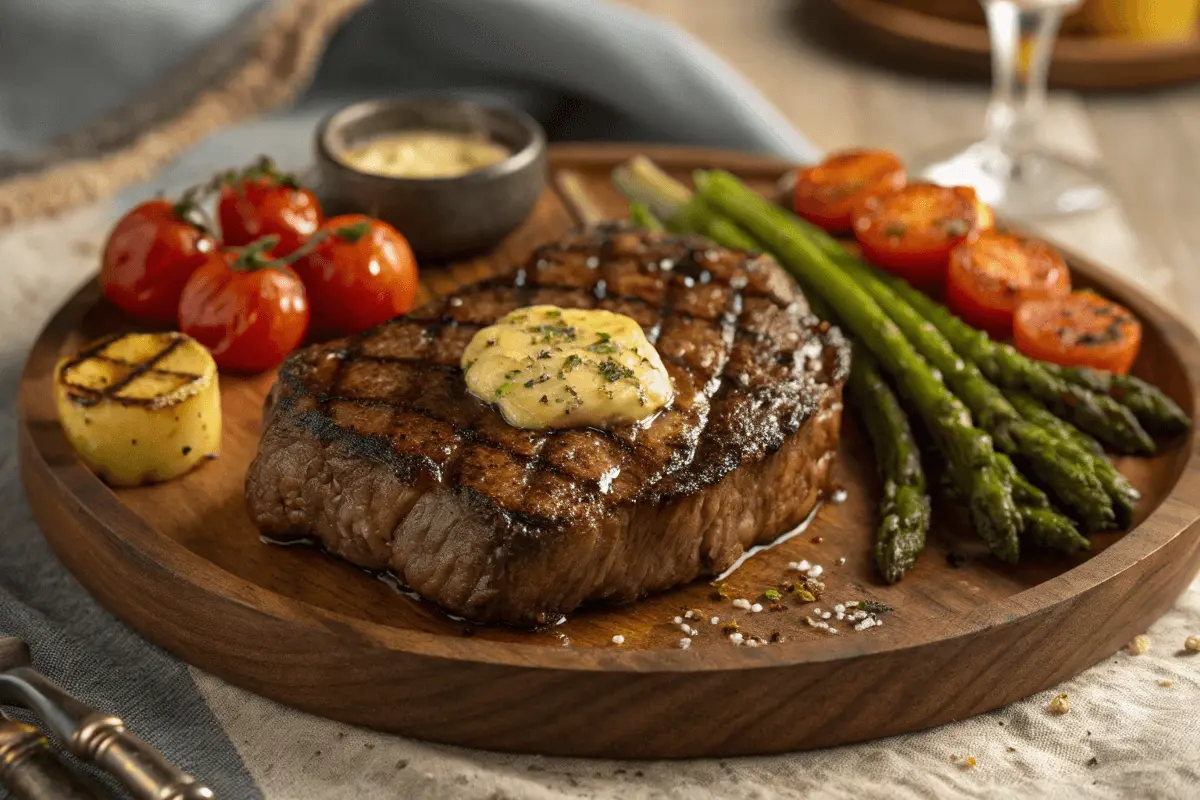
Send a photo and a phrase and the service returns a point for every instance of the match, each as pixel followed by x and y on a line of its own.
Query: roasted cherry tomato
pixel 149 256
pixel 261 201
pixel 248 309
pixel 911 232
pixel 360 274
pixel 827 194
pixel 992 275
pixel 1081 329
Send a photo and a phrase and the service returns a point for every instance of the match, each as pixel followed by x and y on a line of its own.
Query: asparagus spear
pixel 1076 396
pixel 1053 461
pixel 981 479
pixel 1122 492
pixel 643 217
pixel 905 507
pixel 1157 412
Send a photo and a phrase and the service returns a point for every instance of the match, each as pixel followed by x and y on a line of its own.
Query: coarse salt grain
pixel 742 603
pixel 826 615
pixel 690 615
pixel 757 607
pixel 618 639
pixel 841 562
pixel 816 571
pixel 803 566
pixel 839 609
pixel 715 621
pixel 736 638
pixel 678 620
pixel 685 643
pixel 752 642
pixel 816 611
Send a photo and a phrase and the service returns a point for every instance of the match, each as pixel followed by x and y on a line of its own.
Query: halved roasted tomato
pixel 910 232
pixel 992 275
pixel 1082 329
pixel 826 194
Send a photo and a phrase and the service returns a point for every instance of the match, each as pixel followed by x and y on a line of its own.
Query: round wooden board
pixel 955 47
pixel 182 564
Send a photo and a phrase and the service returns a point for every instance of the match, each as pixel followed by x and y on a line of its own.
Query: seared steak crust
pixel 373 445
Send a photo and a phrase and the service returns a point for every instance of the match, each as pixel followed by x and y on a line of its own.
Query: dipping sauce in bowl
pixel 425 154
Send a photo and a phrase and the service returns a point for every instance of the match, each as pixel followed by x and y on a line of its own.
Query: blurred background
pixel 86 79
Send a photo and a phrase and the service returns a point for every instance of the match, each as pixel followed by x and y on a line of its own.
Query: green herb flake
pixel 504 388
pixel 556 314
pixel 613 371
pixel 512 373
pixel 873 607
pixel 529 383
pixel 552 333
pixel 572 362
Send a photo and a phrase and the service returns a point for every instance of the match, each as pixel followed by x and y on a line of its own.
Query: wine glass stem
pixel 1022 38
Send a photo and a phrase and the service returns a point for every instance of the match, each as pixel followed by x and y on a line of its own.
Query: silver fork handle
pixel 100 739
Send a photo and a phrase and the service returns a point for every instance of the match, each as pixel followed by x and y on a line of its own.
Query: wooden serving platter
pixel 957 47
pixel 182 564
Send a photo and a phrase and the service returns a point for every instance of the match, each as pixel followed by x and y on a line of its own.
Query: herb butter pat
pixel 551 367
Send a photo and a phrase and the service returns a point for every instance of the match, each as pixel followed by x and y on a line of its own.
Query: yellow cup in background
pixel 1142 20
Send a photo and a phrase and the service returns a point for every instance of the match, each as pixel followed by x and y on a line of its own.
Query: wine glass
pixel 1009 168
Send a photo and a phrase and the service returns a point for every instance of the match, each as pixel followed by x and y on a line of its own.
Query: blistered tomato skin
pixel 249 319
pixel 360 274
pixel 148 258
pixel 1082 329
pixel 827 194
pixel 990 277
pixel 911 232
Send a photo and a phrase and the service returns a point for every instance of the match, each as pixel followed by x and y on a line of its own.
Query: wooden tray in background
pixel 182 564
pixel 906 36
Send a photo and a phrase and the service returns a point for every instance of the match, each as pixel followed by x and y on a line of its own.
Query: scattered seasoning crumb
pixel 953 757
pixel 1093 762
pixel 773 595
pixel 818 539
pixel 1059 705
pixel 756 608
pixel 618 639
pixel 1012 749
pixel 685 643
pixel 1166 683
pixel 715 621
pixel 736 638
pixel 777 637
pixel 968 762
pixel 1139 646
pixel 730 627
pixel 742 603
pixel 777 607
pixel 1192 644
pixel 721 592
pixel 841 561
pixel 566 642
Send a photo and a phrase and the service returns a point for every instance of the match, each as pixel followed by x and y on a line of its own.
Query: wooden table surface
pixel 1147 144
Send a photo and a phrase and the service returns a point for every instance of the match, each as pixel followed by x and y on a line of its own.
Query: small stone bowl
pixel 442 218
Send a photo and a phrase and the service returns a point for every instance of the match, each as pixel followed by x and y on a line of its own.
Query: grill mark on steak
pixel 388 408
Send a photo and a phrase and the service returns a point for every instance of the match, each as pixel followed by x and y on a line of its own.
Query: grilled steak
pixel 374 447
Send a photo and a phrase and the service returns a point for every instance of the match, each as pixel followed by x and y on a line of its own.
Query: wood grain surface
pixel 954 48
pixel 182 564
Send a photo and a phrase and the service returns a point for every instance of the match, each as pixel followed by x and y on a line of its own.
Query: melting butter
pixel 551 367
pixel 424 154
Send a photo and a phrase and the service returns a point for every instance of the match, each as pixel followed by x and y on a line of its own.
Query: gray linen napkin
pixel 587 70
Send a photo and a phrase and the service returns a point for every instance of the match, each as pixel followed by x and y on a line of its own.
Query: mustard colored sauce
pixel 551 367
pixel 424 154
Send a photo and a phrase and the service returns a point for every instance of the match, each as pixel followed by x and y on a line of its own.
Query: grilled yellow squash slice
pixel 140 407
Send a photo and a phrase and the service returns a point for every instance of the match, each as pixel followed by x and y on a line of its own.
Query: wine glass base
pixel 1036 184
